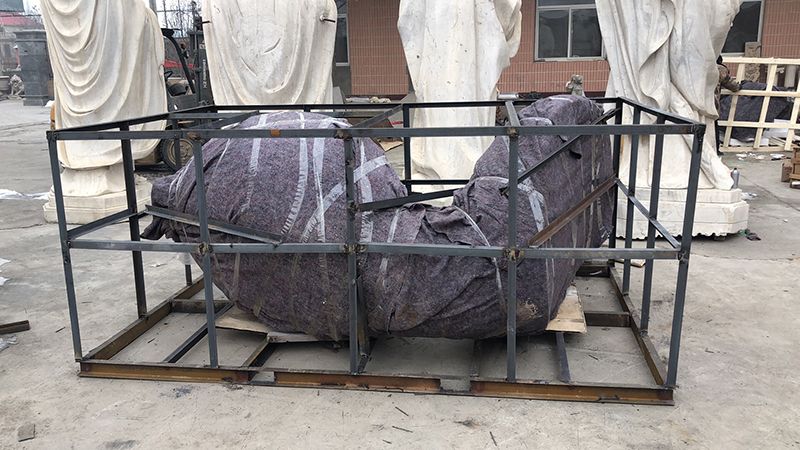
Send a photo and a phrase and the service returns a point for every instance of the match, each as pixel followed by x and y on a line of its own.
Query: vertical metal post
pixel 512 250
pixel 352 274
pixel 176 145
pixel 629 218
pixel 58 195
pixel 683 262
pixel 612 241
pixel 407 148
pixel 133 223
pixel 205 251
pixel 655 187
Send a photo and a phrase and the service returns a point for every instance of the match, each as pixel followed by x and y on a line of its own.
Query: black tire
pixel 168 155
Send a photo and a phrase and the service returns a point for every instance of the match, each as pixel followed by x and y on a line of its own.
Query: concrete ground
pixel 740 358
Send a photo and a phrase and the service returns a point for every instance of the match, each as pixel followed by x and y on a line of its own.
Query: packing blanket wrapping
pixel 295 188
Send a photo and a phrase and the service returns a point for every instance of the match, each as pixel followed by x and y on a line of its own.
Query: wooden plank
pixel 237 319
pixel 762 119
pixel 726 141
pixel 761 61
pixel 570 317
pixel 749 149
pixel 742 123
pixel 753 93
pixel 793 120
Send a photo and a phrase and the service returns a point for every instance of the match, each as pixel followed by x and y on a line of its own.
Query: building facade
pixel 559 38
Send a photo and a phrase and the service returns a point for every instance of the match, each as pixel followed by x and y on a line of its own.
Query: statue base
pixel 718 212
pixel 85 209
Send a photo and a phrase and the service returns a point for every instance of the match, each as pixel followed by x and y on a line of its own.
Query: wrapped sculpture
pixel 295 188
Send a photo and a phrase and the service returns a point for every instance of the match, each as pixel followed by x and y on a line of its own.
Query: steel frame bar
pixel 215 225
pixel 133 223
pixel 209 133
pixel 629 219
pixel 205 251
pixel 211 120
pixel 651 219
pixel 512 248
pixel 15 327
pixel 652 226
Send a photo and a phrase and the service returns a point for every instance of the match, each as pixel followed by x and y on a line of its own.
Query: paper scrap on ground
pixel 3 279
pixel 8 194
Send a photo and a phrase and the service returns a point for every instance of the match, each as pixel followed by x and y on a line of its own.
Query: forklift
pixel 189 89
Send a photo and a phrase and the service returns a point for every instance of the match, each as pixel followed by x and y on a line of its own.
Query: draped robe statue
pixel 663 54
pixel 270 51
pixel 107 65
pixel 456 50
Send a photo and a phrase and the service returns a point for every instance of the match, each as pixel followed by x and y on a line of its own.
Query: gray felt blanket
pixel 295 188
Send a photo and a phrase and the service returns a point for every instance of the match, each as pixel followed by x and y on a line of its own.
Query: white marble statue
pixel 270 51
pixel 107 65
pixel 455 50
pixel 663 54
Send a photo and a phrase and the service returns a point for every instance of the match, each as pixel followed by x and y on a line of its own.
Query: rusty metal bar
pixel 564 219
pixel 116 343
pixel 15 327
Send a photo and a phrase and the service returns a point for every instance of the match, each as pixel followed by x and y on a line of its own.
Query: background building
pixel 559 38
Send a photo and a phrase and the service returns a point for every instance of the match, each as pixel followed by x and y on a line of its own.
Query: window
pixel 341 50
pixel 746 27
pixel 567 29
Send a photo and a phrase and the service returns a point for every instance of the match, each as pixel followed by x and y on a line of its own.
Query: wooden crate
pixel 772 70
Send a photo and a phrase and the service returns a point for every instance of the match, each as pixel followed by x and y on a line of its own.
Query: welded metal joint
pixel 353 248
pixel 193 136
pixel 514 254
pixel 512 132
pixel 343 133
pixel 204 248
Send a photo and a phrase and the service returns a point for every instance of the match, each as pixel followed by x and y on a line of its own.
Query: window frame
pixel 760 26
pixel 569 9
pixel 339 17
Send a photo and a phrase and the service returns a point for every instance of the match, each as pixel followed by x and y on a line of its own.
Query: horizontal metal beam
pixel 341 133
pixel 429 182
pixel 676 119
pixel 582 392
pixel 157 246
pixel 310 248
pixel 165 372
pixel 386 248
pixel 394 202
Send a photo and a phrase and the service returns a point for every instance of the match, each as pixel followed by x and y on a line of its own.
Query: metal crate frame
pixel 208 122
